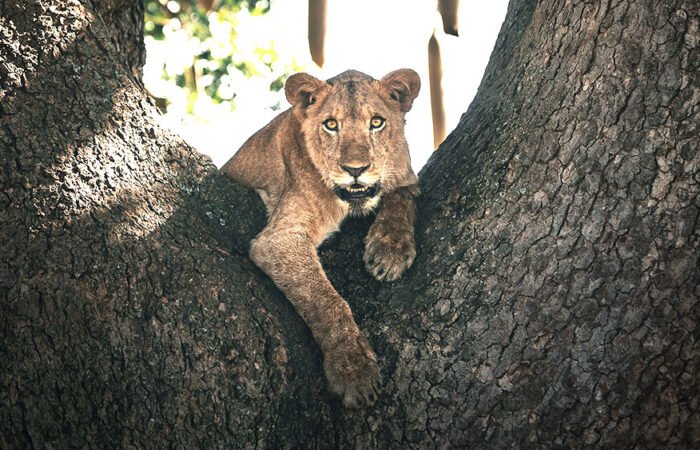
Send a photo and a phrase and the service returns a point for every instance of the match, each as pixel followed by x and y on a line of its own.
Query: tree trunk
pixel 554 299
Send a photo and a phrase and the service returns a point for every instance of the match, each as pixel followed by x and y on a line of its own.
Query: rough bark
pixel 554 299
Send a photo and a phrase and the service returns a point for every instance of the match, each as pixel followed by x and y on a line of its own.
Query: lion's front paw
pixel 353 373
pixel 389 254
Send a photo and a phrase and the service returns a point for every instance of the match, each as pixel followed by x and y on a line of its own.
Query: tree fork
pixel 553 301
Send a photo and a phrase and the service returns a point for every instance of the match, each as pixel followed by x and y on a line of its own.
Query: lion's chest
pixel 334 216
pixel 362 207
pixel 329 217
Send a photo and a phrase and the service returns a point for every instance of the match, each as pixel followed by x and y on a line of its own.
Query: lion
pixel 339 151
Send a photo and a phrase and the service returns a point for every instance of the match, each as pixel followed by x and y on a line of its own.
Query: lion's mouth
pixel 357 191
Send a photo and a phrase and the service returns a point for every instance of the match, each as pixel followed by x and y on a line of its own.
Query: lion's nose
pixel 355 171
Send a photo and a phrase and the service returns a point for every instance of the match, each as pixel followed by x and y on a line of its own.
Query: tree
pixel 201 60
pixel 554 300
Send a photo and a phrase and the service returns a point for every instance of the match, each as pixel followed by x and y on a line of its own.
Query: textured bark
pixel 554 299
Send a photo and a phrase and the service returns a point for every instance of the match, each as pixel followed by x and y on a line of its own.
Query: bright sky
pixel 371 36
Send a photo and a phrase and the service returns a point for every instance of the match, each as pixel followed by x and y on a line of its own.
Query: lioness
pixel 340 150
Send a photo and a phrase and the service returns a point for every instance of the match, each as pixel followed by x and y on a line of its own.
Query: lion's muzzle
pixel 357 191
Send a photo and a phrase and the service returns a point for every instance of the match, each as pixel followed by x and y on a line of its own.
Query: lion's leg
pixel 390 246
pixel 289 257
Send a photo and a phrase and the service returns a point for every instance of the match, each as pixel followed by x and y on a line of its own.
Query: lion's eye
pixel 377 123
pixel 331 125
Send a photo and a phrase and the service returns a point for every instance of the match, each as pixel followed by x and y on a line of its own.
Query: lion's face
pixel 353 127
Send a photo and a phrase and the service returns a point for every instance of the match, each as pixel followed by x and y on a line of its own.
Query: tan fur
pixel 296 165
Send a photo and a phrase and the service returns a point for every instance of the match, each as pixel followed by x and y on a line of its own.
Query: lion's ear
pixel 403 86
pixel 302 89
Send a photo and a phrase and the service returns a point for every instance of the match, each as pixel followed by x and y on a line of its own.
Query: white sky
pixel 371 36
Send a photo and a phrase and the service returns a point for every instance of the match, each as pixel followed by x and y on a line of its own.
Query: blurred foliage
pixel 199 52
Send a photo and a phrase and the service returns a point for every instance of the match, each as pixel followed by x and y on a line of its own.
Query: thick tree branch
pixel 553 301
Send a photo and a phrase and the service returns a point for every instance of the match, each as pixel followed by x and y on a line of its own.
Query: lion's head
pixel 353 129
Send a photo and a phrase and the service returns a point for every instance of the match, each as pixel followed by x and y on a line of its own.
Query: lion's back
pixel 259 163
